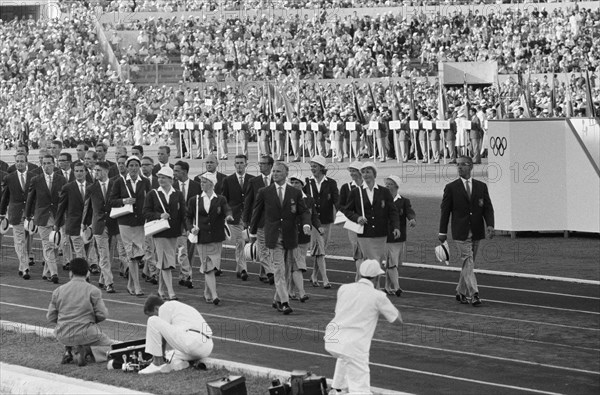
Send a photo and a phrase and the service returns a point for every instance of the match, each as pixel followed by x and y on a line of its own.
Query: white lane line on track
pixel 416 325
pixel 329 356
pixel 403 344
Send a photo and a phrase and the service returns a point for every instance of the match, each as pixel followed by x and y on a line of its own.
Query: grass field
pixel 44 353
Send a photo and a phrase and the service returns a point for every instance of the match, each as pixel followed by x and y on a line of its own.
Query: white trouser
pixel 188 345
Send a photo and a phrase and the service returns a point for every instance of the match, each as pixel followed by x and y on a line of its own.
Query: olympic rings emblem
pixel 498 145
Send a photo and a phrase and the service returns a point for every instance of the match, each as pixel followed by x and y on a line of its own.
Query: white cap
pixel 370 268
pixel 296 176
pixel 319 160
pixel 165 171
pixel 212 177
pixel 355 165
pixel 133 158
pixel 396 180
pixel 442 252
pixel 369 164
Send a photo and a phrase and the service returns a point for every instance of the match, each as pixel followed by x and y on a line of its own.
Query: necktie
pixel 266 180
pixel 104 190
pixel 242 181
pixel 82 190
pixel 50 183
pixel 280 195
pixel 23 181
pixel 183 190
pixel 468 189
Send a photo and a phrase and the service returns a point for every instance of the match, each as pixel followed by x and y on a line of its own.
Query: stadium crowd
pixel 267 46
pixel 54 84
pixel 230 5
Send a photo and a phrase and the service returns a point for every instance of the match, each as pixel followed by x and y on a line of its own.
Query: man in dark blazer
pixel 3 166
pixel 212 163
pixel 69 214
pixel 282 207
pixel 42 205
pixel 65 166
pixel 186 250
pixel 265 166
pixel 164 152
pixel 147 166
pixel 14 197
pixel 468 202
pixel 132 190
pixel 234 190
pixel 324 191
pixel 24 150
pixel 96 212
pixel 101 151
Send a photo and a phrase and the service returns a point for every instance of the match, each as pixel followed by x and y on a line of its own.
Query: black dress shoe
pixel 277 305
pixel 286 309
pixel 218 272
pixel 44 277
pixel 398 292
pixel 54 279
pixel 26 275
pixel 101 285
pixel 80 356
pixel 304 298
pixel 216 301
pixel 94 269
pixel 110 289
pixel 462 299
pixel 182 282
pixel 476 301
pixel 67 356
pixel 271 278
pixel 31 262
pixel 20 273
pixel 153 280
pixel 66 267
pixel 244 275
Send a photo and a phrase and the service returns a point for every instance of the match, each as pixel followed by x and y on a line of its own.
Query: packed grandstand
pixel 58 81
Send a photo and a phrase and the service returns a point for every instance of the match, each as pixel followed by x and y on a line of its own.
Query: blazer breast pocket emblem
pixel 383 204
pixel 480 202
pixel 218 209
pixel 293 209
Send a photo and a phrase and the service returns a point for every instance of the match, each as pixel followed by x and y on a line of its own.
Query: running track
pixel 530 336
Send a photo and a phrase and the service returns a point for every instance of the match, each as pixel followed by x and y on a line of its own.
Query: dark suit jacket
pixel 325 200
pixel 30 167
pixel 219 187
pixel 113 171
pixel 175 207
pixel 236 194
pixel 153 181
pixel 254 186
pixel 157 167
pixel 345 194
pixel 280 220
pixel 42 202
pixel 14 197
pixel 381 215
pixel 466 215
pixel 118 192
pixel 71 175
pixel 193 189
pixel 70 202
pixel 96 210
pixel 211 224
pixel 314 220
pixel 405 212
pixel 3 166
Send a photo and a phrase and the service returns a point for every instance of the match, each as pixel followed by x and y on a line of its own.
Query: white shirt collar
pixel 366 281
pixel 466 179
pixel 397 197
pixel 167 195
pixel 353 183
pixel 213 196
pixel 130 179
pixel 322 179
pixel 364 186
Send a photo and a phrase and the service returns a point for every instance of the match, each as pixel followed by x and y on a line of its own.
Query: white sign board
pixel 414 124
pixel 287 125
pixel 218 125
pixel 237 126
pixel 394 125
pixel 350 125
pixel 302 125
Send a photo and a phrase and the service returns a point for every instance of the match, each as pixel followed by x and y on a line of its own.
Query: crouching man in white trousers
pixel 348 336
pixel 178 327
